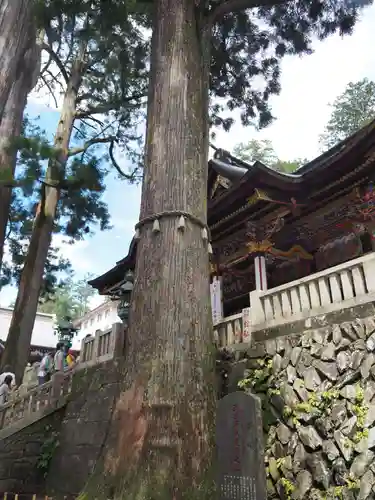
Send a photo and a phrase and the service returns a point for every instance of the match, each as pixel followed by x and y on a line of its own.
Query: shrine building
pixel 285 246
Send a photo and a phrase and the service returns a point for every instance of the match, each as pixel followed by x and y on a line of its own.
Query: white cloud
pixel 76 253
pixel 309 84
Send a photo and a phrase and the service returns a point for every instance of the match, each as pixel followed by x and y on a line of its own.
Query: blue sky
pixel 309 85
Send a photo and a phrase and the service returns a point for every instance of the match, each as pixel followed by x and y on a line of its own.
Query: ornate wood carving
pixel 290 271
pixel 219 182
pixel 238 282
pixel 337 251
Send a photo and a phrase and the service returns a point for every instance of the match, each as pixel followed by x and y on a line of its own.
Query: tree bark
pixel 16 16
pixel 11 124
pixel 19 336
pixel 162 444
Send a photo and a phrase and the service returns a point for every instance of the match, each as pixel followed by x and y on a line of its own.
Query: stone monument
pixel 240 448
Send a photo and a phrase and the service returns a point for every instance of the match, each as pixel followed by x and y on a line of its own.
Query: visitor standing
pixel 5 388
pixel 59 358
pixel 7 371
pixel 45 368
pixel 70 359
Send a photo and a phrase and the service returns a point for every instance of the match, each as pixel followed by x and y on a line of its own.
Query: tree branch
pixel 56 59
pixel 50 90
pixel 105 108
pixel 91 142
pixel 229 6
pixel 130 177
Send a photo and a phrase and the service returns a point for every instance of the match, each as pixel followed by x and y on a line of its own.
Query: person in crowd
pixel 7 371
pixel 45 369
pixel 5 388
pixel 59 359
pixel 70 359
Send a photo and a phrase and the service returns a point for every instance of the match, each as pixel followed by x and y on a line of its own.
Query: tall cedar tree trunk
pixel 17 346
pixel 11 125
pixel 161 444
pixel 16 16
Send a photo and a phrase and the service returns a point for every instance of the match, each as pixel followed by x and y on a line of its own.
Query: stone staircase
pixel 35 404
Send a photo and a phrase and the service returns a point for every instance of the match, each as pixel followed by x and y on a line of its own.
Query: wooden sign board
pixel 216 300
pixel 240 448
pixel 246 319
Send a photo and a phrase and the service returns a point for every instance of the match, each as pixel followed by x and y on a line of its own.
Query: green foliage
pixel 254 150
pixel 288 487
pixel 48 449
pixel 319 405
pixel 247 48
pixel 114 77
pixel 80 211
pixel 70 299
pixel 351 110
pixel 263 151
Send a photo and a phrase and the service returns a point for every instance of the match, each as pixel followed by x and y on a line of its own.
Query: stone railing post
pixel 256 309
pixel 118 339
pixel 57 381
pixel 83 354
pixel 96 349
pixel 369 272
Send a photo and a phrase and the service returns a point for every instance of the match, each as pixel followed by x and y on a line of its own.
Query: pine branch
pixel 56 59
pixel 230 6
pixel 49 89
pixel 56 80
pixel 129 177
pixel 91 142
pixel 113 106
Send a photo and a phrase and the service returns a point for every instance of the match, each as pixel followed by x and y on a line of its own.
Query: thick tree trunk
pixel 11 124
pixel 19 336
pixel 165 414
pixel 16 16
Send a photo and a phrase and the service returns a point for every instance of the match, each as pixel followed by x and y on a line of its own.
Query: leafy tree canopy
pixel 111 97
pixel 80 212
pixel 71 299
pixel 352 110
pixel 263 151
pixel 248 45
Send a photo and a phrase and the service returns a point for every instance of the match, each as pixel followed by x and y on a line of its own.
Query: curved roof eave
pixel 241 170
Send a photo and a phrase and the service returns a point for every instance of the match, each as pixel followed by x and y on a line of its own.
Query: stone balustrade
pixel 229 331
pixel 37 401
pixel 339 287
pixel 103 347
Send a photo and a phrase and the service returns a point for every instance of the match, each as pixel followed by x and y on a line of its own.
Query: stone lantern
pixel 125 293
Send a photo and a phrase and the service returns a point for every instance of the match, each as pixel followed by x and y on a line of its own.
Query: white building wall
pixel 43 332
pixel 100 318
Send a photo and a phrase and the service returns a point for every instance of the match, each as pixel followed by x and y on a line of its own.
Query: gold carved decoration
pixel 295 250
pixel 264 246
pixel 262 195
pixel 214 268
pixel 220 181
pixel 258 195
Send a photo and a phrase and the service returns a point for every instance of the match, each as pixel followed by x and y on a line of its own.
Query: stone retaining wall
pixel 318 396
pixel 84 428
pixel 25 455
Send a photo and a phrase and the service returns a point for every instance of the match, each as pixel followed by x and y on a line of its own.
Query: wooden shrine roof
pixel 326 177
pixel 258 192
pixel 116 275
